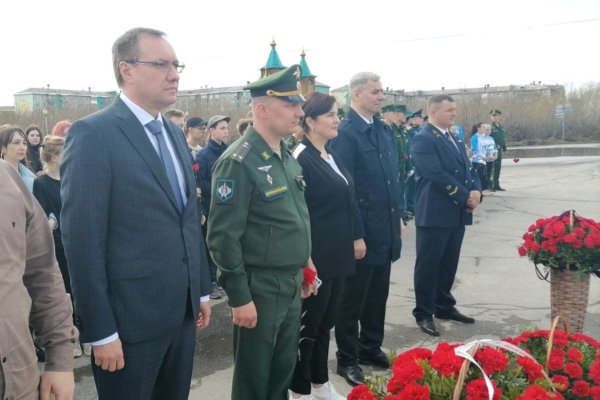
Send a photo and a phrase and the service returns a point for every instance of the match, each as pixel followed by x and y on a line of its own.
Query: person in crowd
pixel 218 135
pixel 130 230
pixel 329 195
pixel 61 128
pixel 195 134
pixel 13 149
pixel 490 152
pixel 395 116
pixel 176 116
pixel 295 138
pixel 259 237
pixel 34 140
pixel 478 154
pixel 30 283
pixel 498 136
pixel 457 131
pixel 414 125
pixel 243 124
pixel 447 193
pixel 366 148
pixel 46 189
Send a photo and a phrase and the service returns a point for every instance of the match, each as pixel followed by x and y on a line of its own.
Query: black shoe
pixel 500 189
pixel 353 374
pixel 428 326
pixel 455 315
pixel 378 360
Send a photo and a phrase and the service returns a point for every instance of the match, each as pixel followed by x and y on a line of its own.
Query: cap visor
pixel 297 98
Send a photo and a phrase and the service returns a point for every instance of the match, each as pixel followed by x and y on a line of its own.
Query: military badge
pixel 225 190
pixel 301 182
pixel 264 168
pixel 265 155
pixel 275 192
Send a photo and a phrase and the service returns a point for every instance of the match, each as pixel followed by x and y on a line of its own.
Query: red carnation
pixel 361 392
pixel 445 361
pixel 595 371
pixel 595 393
pixel 491 360
pixel 532 368
pixel 536 392
pixel 581 388
pixel 413 391
pixel 310 275
pixel 556 359
pixel 560 382
pixel 404 374
pixel 573 370
pixel 574 355
pixel 477 390
pixel 522 251
pixel 196 167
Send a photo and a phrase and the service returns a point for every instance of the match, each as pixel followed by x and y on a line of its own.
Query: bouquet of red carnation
pixel 572 371
pixel 564 242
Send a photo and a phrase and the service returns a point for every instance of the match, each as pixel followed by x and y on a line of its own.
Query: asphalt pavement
pixel 494 285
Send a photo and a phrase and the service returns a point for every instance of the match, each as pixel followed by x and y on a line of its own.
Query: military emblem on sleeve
pixel 225 190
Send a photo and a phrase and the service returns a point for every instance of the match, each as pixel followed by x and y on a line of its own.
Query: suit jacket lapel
pixel 453 149
pixel 136 134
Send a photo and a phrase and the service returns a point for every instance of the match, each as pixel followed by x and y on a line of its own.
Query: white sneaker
pixel 77 350
pixel 326 392
pixel 303 397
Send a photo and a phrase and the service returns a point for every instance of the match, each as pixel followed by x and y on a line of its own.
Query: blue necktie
pixel 155 127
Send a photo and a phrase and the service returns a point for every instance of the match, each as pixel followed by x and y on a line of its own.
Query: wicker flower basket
pixel 569 297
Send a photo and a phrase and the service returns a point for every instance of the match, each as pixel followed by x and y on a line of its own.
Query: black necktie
pixel 155 127
pixel 447 135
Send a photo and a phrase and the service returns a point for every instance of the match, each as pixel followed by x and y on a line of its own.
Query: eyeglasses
pixel 164 66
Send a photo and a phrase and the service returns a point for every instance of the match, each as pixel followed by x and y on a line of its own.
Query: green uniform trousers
pixel 497 167
pixel 265 356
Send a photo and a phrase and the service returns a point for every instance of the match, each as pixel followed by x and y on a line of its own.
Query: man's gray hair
pixel 359 80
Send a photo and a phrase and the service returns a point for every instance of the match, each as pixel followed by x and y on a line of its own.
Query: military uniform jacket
pixel 498 135
pixel 402 150
pixel 443 180
pixel 369 154
pixel 258 216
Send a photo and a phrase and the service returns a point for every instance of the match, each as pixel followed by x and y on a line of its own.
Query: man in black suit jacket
pixel 130 230
pixel 447 192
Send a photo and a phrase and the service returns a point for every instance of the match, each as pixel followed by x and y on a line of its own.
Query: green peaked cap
pixel 282 84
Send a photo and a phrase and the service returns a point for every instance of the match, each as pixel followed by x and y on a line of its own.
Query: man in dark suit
pixel 447 192
pixel 366 148
pixel 130 230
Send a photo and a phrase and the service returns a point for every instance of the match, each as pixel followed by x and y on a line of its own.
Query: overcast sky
pixel 413 45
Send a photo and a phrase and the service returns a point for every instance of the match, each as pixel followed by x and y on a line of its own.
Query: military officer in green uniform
pixel 498 135
pixel 259 237
pixel 415 121
pixel 395 116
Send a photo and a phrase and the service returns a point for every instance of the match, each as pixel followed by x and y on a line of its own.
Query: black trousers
pixel 156 369
pixel 489 175
pixel 364 298
pixel 438 251
pixel 313 347
pixel 480 169
pixel 497 168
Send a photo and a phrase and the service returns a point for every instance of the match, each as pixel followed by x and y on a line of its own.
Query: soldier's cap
pixel 495 112
pixel 282 85
pixel 195 122
pixel 418 113
pixel 394 108
pixel 215 119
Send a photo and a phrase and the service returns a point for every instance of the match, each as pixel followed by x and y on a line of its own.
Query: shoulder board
pixel 241 151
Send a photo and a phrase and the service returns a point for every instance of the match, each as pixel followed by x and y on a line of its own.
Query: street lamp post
pixel 45 112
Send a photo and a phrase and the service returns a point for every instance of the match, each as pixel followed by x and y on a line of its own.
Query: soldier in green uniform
pixel 415 120
pixel 259 237
pixel 498 136
pixel 395 116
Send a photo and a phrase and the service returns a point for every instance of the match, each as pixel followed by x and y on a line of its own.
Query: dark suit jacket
pixel 443 180
pixel 134 260
pixel 329 200
pixel 369 154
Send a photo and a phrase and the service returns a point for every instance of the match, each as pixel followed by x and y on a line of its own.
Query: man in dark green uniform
pixel 415 121
pixel 395 116
pixel 259 237
pixel 498 136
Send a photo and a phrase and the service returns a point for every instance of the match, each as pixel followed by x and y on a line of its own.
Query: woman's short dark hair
pixel 7 132
pixel 316 104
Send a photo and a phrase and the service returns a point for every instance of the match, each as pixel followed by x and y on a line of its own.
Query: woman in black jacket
pixel 329 196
